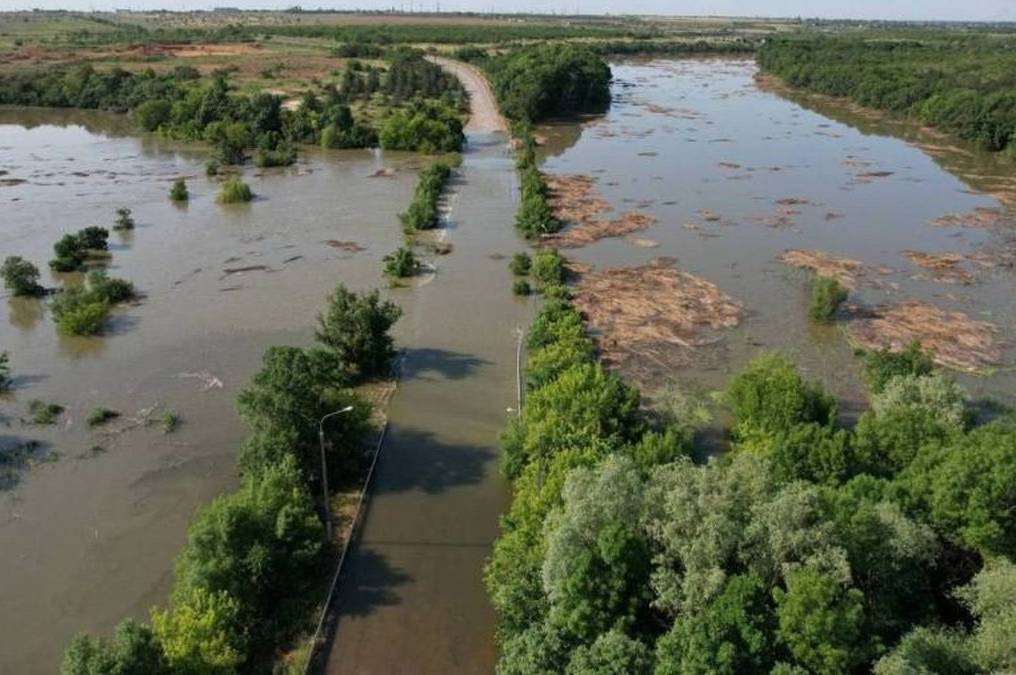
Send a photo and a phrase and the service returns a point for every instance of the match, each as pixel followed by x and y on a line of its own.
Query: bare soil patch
pixel 956 340
pixel 654 318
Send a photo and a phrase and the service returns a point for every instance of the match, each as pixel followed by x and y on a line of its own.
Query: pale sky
pixel 967 10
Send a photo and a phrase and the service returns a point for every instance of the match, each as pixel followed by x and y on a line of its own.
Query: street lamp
pixel 324 467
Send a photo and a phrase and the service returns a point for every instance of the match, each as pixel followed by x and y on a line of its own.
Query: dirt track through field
pixel 484 116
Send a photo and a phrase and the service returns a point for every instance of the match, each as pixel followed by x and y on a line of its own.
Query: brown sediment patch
pixel 653 318
pixel 945 267
pixel 782 217
pixel 956 340
pixel 248 268
pixel 870 175
pixel 794 201
pixel 850 273
pixel 383 173
pixel 590 231
pixel 349 246
pixel 980 218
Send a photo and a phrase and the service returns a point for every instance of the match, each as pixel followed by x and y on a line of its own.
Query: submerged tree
pixel 356 328
pixel 21 277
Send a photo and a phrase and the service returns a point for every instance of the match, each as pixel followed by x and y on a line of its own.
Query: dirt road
pixel 484 116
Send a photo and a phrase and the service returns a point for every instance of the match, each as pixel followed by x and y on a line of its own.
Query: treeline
pixel 181 104
pixel 257 560
pixel 422 213
pixel 534 216
pixel 548 80
pixel 674 47
pixel 965 86
pixel 808 548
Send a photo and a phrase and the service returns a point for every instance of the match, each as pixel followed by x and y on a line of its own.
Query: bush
pixel 234 191
pixel 109 289
pixel 212 167
pixel 179 192
pixel 124 219
pixel 427 128
pixel 44 413
pixel 133 649
pixel 21 277
pixel 520 264
pixel 885 364
pixel 77 312
pixel 72 250
pixel 401 263
pixel 100 416
pixel 5 371
pixel 356 328
pixel 548 268
pixel 826 297
pixel 769 397
pixel 521 287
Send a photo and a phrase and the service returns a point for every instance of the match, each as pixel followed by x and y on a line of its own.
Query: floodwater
pixel 700 146
pixel 88 536
pixel 89 526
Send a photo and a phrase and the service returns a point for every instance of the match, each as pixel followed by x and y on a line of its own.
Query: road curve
pixel 484 116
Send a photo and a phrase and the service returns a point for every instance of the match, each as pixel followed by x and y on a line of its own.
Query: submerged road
pixel 411 597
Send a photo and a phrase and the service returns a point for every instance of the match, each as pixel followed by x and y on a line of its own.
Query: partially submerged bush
pixel 548 268
pixel 83 310
pixel 124 219
pixel 72 250
pixel 355 328
pixel 885 364
pixel 826 297
pixel 234 191
pixel 100 416
pixel 521 287
pixel 21 277
pixel 179 192
pixel 401 263
pixel 44 413
pixel 520 264
pixel 422 213
pixel 5 371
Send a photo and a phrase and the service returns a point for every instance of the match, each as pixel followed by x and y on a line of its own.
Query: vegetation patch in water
pixel 234 191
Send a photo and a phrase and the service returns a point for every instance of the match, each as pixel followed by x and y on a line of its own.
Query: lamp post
pixel 324 467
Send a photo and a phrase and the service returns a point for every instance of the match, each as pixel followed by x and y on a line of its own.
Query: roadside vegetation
pixel 959 84
pixel 256 561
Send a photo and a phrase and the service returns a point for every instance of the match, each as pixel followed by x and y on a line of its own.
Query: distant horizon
pixel 981 11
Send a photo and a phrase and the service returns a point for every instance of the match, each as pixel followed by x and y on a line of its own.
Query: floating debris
pixel 249 268
pixel 575 200
pixel 955 340
pixel 651 319
pixel 642 243
pixel 945 267
pixel 850 273
pixel 980 218
pixel 208 380
pixel 349 246
pixel 383 173
pixel 593 230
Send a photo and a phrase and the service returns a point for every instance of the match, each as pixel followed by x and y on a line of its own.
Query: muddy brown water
pixel 686 138
pixel 88 538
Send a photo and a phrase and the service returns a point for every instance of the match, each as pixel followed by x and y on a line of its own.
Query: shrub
pixel 179 192
pixel 356 329
pixel 21 277
pixel 44 413
pixel 168 421
pixel 234 191
pixel 885 364
pixel 109 289
pixel 212 167
pixel 521 287
pixel 100 416
pixel 133 649
pixel 124 219
pixel 548 267
pixel 520 264
pixel 73 249
pixel 826 297
pixel 401 263
pixel 770 397
pixel 77 312
pixel 5 371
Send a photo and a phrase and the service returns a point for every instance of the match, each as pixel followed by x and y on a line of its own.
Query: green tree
pixel 929 651
pixel 733 635
pixel 401 263
pixel 991 598
pixel 821 621
pixel 133 650
pixel 356 328
pixel 21 277
pixel 769 396
pixel 199 633
pixel 885 364
pixel 179 192
pixel 124 219
pixel 613 653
